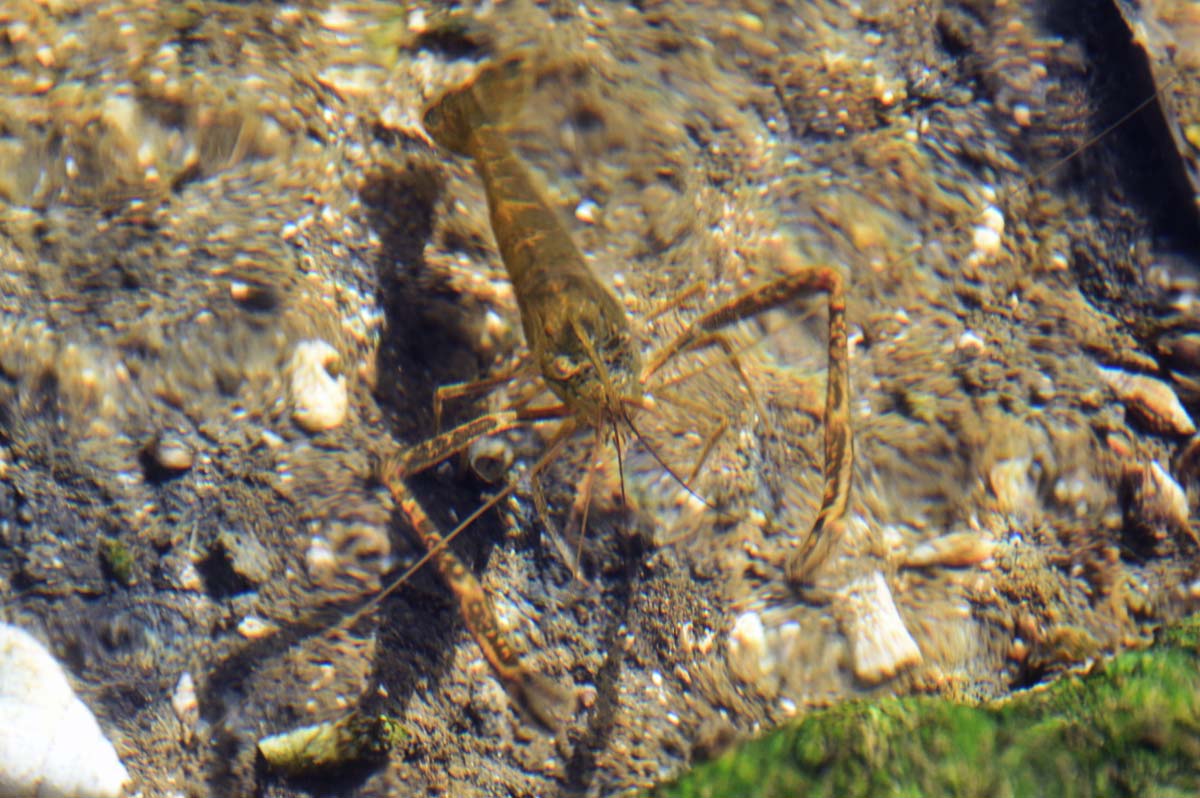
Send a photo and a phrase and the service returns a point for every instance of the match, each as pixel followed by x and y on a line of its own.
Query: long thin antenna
pixel 1090 142
pixel 663 463
pixel 424 558
pixel 620 459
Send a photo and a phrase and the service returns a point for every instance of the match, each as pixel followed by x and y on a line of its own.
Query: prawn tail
pixel 454 116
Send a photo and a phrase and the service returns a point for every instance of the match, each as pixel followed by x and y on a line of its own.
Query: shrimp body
pixel 577 331
pixel 582 342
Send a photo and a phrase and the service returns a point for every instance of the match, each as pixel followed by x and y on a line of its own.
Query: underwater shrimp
pixel 580 337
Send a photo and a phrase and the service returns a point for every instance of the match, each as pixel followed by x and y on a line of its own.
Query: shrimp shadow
pixel 1137 160
pixel 431 338
pixel 427 339
pixel 581 768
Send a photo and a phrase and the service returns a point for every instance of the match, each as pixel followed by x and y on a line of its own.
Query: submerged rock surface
pixel 1126 727
pixel 234 270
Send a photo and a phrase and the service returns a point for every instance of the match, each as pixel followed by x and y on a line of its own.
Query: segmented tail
pixel 452 118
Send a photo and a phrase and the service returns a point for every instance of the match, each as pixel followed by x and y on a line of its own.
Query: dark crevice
pixel 1144 167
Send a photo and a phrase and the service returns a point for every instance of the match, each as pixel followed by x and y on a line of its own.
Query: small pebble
pixel 970 343
pixel 746 648
pixel 956 550
pixel 880 643
pixel 171 454
pixel 587 212
pixel 1157 501
pixel 1152 401
pixel 186 705
pixel 255 628
pixel 988 236
pixel 320 399
pixel 321 562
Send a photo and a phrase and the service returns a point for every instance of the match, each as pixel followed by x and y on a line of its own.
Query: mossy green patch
pixel 1130 726
pixel 354 738
pixel 117 559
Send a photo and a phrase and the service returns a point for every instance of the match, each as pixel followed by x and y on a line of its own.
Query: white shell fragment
pixel 988 235
pixel 320 400
pixel 1152 401
pixel 746 650
pixel 50 743
pixel 880 645
pixel 490 458
pixel 186 705
pixel 1157 500
pixel 955 550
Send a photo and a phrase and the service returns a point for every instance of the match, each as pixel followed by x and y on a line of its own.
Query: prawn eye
pixel 563 368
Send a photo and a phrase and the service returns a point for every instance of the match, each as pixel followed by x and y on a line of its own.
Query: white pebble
pixel 880 644
pixel 986 240
pixel 746 649
pixel 321 562
pixel 1153 401
pixel 587 211
pixel 254 628
pixel 172 453
pixel 50 743
pixel 970 343
pixel 988 235
pixel 185 705
pixel 955 550
pixel 320 401
pixel 239 291
pixel 1157 499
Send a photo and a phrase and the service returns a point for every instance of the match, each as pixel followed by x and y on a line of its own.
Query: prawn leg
pixel 581 341
pixel 432 451
pixel 538 695
pixel 459 390
pixel 839 443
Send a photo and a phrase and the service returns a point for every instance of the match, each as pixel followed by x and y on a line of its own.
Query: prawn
pixel 580 338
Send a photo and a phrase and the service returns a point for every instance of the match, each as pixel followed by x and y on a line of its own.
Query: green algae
pixel 353 739
pixel 117 559
pixel 1130 726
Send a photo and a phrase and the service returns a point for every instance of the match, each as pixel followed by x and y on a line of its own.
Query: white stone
pixel 746 649
pixel 880 644
pixel 186 705
pixel 50 743
pixel 320 401
pixel 988 235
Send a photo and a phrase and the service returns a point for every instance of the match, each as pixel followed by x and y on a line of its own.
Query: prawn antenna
pixel 620 458
pixel 429 554
pixel 662 464
pixel 1089 143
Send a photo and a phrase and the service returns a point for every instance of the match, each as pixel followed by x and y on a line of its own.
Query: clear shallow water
pixel 175 225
